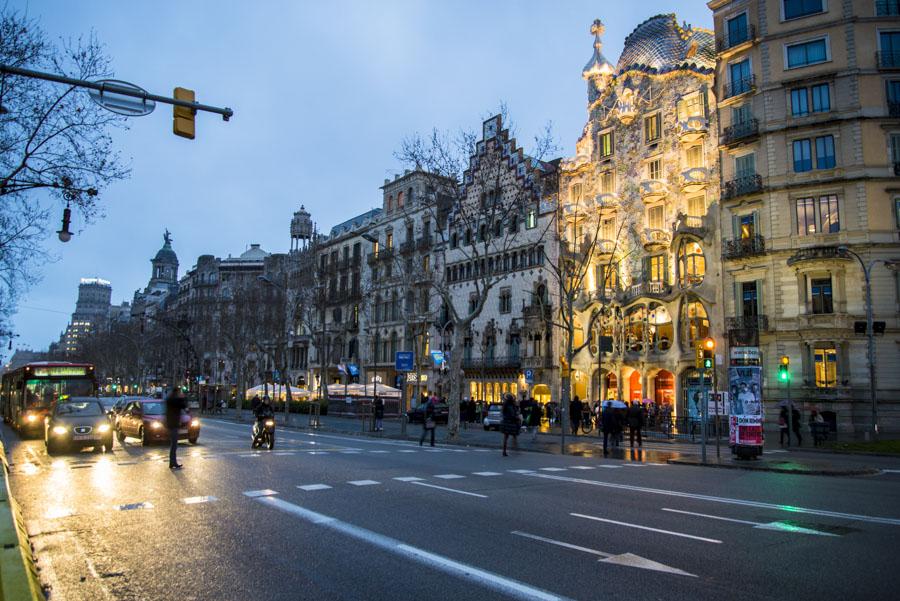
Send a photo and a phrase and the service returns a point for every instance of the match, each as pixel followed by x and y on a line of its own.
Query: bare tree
pixel 238 325
pixel 485 190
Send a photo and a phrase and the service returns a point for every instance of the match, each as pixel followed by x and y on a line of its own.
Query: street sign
pixel 745 353
pixel 438 358
pixel 403 361
pixel 353 369
pixel 119 103
pixel 529 376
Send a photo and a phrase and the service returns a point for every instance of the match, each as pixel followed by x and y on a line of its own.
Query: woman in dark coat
pixel 511 422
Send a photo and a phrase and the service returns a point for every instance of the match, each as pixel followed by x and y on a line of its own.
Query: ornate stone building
pixel 645 183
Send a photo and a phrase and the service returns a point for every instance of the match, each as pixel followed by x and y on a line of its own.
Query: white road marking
pixel 266 492
pixel 349 452
pixel 487 474
pixel 363 482
pixel 625 559
pixel 521 471
pixel 482 450
pixel 552 469
pixel 379 451
pixel 890 471
pixel 777 526
pixel 249 455
pixel 489 580
pixel 408 479
pixel 639 527
pixel 407 451
pixel 319 453
pixel 311 487
pixel 196 500
pixel 130 506
pixel 582 467
pixel 285 453
pixel 449 476
pixel 459 492
pixel 608 466
pixel 726 500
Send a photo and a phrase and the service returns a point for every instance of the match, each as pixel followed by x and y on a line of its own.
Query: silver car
pixel 494 417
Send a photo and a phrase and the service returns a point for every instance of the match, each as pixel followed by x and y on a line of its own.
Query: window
pixel 694 156
pixel 745 166
pixel 696 206
pixel 656 217
pixel 794 9
pixel 746 226
pixel 890 48
pixel 608 228
pixel 749 298
pixel 799 102
pixel 887 8
pixel 608 276
pixel 691 264
pixel 897 211
pixel 895 152
pixel 825 360
pixel 802 156
pixel 821 296
pixel 739 77
pixel 608 182
pixel 691 106
pixel 654 169
pixel 825 152
pixel 821 98
pixel 399 199
pixel 806 53
pixel 657 269
pixel 389 242
pixel 818 215
pixel 575 194
pixel 694 323
pixel 606 144
pixel 893 96
pixel 651 128
pixel 505 300
pixel 531 219
pixel 741 114
pixel 737 29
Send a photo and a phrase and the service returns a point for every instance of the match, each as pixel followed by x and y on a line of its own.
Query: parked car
pixel 145 419
pixel 74 424
pixel 494 417
pixel 417 415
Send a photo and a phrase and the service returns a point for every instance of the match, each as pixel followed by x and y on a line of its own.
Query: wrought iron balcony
pixel 694 179
pixel 693 128
pixel 748 322
pixel 424 243
pixel 534 311
pixel 508 362
pixel 743 247
pixel 407 246
pixel 740 131
pixel 741 186
pixel 653 189
pixel 818 253
pixel 738 38
pixel 739 86
pixel 537 362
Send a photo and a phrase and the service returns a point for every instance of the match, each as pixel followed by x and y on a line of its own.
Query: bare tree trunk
pixel 239 396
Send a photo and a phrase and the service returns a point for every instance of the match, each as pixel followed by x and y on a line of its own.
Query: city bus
pixel 27 393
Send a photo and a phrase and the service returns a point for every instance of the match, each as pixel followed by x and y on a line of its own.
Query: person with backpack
pixel 511 421
pixel 428 423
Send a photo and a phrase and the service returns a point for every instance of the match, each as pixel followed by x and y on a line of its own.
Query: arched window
pixel 377 308
pixel 394 344
pixel 694 323
pixel 635 322
pixel 395 306
pixel 661 330
pixel 390 202
pixel 691 264
pixel 399 200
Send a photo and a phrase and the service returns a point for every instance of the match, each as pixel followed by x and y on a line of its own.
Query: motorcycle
pixel 264 433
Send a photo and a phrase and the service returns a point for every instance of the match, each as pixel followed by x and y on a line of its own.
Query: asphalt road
pixel 339 517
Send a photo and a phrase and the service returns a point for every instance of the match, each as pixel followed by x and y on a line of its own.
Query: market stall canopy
pixel 277 392
pixel 360 390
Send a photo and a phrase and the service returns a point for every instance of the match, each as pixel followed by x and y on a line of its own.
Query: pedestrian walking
pixel 378 412
pixel 575 414
pixel 783 426
pixel 608 424
pixel 635 422
pixel 795 418
pixel 817 427
pixel 534 419
pixel 511 422
pixel 174 406
pixel 428 423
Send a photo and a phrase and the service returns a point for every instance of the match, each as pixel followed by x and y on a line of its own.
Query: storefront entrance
pixel 664 388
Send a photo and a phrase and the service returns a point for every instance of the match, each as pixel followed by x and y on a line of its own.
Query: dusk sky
pixel 323 95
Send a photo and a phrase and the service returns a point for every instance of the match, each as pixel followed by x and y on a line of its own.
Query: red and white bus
pixel 27 393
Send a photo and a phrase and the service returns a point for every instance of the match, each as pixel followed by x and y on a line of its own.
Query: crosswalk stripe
pixel 487 474
pixel 379 451
pixel 449 476
pixel 311 487
pixel 521 471
pixel 265 492
pixel 363 482
pixel 582 467
pixel 408 479
pixel 196 500
pixel 552 469
pixel 407 451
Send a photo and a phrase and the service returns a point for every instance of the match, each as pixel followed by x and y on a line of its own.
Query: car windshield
pixel 153 408
pixel 108 403
pixel 85 408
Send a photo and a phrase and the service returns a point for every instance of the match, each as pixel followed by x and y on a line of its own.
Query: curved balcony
pixel 604 248
pixel 607 200
pixel 654 239
pixel 653 190
pixel 693 129
pixel 694 179
pixel 691 225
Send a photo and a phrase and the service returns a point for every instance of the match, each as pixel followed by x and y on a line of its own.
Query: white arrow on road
pixel 780 526
pixel 624 559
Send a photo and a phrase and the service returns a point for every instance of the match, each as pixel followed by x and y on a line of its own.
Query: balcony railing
pixel 690 224
pixel 739 186
pixel 743 247
pixel 536 362
pixel 653 189
pixel 739 86
pixel 887 8
pixel 748 322
pixel 739 37
pixel 888 60
pixel 654 238
pixel 693 128
pixel 508 362
pixel 742 130
pixel 818 253
pixel 407 246
pixel 424 243
pixel 646 289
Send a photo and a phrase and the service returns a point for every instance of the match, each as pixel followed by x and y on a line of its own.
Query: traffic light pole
pixel 790 410
pixel 226 112
pixel 704 414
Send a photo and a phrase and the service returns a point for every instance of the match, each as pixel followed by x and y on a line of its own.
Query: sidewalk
pixel 656 450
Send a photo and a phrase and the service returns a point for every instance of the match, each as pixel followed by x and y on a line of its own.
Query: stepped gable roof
pixel 660 44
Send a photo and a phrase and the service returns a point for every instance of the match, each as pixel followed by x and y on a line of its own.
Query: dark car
pixel 417 415
pixel 145 419
pixel 74 424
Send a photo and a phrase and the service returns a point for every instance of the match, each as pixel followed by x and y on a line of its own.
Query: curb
pixel 864 471
pixel 18 573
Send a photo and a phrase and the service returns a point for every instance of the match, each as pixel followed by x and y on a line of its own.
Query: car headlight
pixel 270 422
pixel 156 425
pixel 59 430
pixel 195 423
pixel 103 428
pixel 31 417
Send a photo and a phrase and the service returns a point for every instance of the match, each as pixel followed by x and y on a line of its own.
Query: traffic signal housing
pixel 784 369
pixel 706 353
pixel 183 122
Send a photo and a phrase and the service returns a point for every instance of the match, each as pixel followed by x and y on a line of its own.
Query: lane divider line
pixel 648 528
pixel 777 526
pixel 489 580
pixel 560 543
pixel 459 492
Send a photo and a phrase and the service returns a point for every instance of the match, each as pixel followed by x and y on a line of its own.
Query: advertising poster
pixel 695 399
pixel 745 404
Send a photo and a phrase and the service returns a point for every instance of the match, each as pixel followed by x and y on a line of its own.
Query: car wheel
pixel 120 435
pixel 108 445
pixel 193 439
pixel 145 440
pixel 52 448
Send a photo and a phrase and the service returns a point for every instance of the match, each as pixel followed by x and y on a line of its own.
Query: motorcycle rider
pixel 262 412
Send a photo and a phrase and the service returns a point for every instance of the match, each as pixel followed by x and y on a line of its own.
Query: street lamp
pixel 870 334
